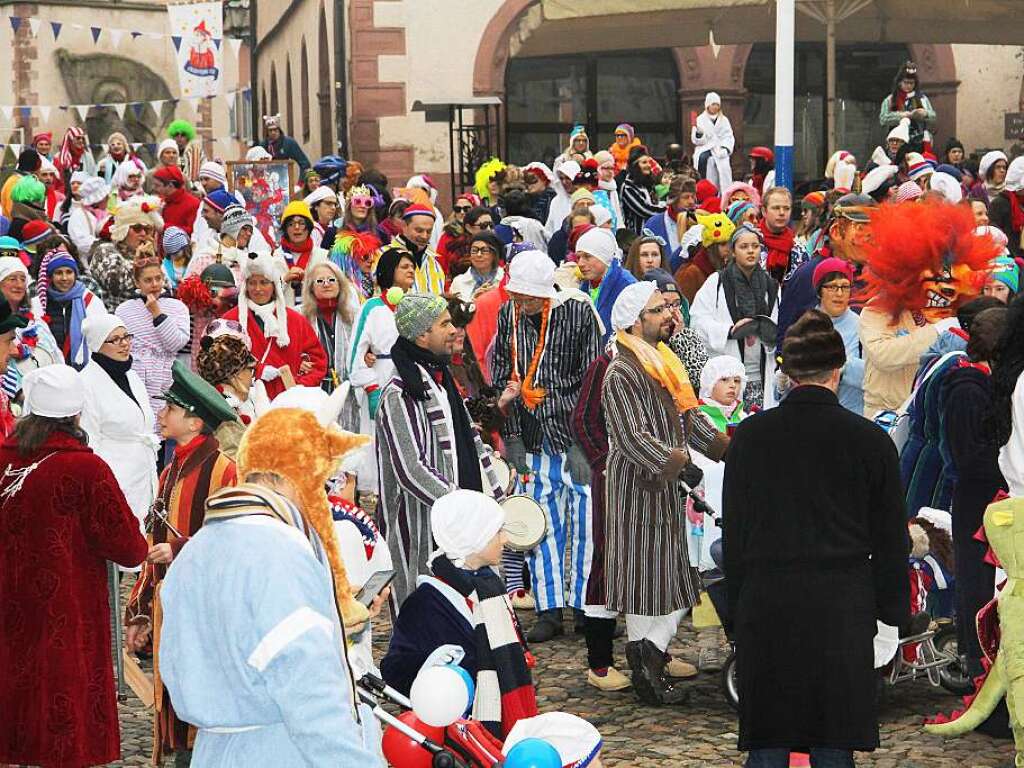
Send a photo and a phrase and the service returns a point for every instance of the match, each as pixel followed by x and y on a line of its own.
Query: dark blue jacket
pixel 286 148
pixel 797 296
pixel 615 279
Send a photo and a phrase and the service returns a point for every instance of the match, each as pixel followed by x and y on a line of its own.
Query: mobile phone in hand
pixel 374 585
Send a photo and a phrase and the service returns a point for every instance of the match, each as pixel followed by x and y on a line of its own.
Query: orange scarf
pixel 531 394
pixel 662 365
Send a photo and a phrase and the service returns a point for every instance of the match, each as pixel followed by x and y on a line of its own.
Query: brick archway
pixel 493 53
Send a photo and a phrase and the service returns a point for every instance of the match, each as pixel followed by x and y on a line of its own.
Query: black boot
pixel 579 621
pixel 649 681
pixel 548 626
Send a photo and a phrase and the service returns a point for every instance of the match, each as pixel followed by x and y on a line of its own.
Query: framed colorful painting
pixel 266 186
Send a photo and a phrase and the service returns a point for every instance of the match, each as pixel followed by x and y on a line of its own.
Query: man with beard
pixel 417 228
pixel 648 576
pixel 639 200
pixel 848 233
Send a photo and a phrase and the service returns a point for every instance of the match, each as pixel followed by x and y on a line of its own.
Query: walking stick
pixel 115 602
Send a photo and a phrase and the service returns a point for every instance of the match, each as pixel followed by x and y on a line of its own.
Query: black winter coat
pixel 815 544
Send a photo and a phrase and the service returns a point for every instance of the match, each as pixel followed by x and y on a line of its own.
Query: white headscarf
pixel 630 303
pixel 717 368
pixel 599 243
pixel 97 328
pixel 463 523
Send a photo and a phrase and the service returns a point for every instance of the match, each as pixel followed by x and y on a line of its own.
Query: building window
pixel 289 111
pixel 547 95
pixel 864 76
pixel 304 91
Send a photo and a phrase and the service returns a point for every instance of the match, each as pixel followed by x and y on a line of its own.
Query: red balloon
pixel 401 751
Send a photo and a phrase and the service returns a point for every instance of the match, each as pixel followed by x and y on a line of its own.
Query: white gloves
pixel 270 373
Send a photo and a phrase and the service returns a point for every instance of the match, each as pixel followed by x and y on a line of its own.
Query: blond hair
pixel 345 292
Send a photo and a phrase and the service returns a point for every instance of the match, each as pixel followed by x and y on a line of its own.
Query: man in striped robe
pixel 546 342
pixel 645 395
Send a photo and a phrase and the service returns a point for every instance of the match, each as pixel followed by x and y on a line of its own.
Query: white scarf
pixel 271 325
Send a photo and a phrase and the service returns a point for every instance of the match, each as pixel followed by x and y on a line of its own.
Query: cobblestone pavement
pixel 701 733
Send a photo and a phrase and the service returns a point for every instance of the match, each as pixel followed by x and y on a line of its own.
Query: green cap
pixel 198 397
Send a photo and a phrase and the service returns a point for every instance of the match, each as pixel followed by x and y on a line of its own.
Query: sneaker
pixel 710 659
pixel 679 669
pixel 523 601
pixel 612 680
pixel 548 626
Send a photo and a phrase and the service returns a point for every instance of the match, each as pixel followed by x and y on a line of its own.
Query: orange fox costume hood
pixel 292 443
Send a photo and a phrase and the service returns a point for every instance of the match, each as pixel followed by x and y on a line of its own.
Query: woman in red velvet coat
pixel 280 336
pixel 62 515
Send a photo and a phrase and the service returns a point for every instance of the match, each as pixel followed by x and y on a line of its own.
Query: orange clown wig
pixel 924 257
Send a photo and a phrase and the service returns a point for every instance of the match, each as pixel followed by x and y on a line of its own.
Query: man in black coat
pixel 815 546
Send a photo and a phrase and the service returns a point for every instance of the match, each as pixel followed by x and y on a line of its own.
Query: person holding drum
pixel 460 613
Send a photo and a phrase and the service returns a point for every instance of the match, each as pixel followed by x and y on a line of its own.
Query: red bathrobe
pixel 57 683
pixel 303 344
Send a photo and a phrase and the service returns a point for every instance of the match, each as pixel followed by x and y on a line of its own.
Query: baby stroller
pixel 466 743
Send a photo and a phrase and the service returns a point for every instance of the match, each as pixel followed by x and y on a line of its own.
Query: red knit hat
pixel 169 173
pixel 418 209
pixel 711 205
pixel 705 189
pixel 33 232
pixel 829 266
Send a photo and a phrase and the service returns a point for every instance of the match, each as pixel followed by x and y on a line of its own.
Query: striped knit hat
pixel 918 166
pixel 908 192
pixel 175 240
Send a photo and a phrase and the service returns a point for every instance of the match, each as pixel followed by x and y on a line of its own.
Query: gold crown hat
pixel 293 444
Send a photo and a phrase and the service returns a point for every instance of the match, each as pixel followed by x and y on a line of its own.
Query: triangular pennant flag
pixel 120 107
pixel 95 34
pixel 176 39
pixel 115 36
pixel 216 42
pixel 135 146
pixel 15 23
pixel 137 108
pixel 82 110
pixel 8 112
pixel 158 106
pixel 33 24
pixel 136 35
pixel 235 44
pixel 104 147
pixel 15 148
pixel 26 112
pixel 55 28
pixel 44 112
pixel 151 148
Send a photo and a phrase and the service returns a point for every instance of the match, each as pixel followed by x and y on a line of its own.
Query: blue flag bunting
pixel 176 39
pixel 136 35
pixel 26 112
pixel 55 27
pixel 95 33
pixel 15 23
pixel 216 42
pixel 137 108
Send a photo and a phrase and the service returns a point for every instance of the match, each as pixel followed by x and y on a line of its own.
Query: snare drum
pixel 507 475
pixel 525 523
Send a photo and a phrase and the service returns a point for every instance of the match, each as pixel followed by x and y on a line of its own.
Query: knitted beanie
pixel 175 240
pixel 416 312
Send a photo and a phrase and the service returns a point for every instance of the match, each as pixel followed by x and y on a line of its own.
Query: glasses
pixel 361 200
pixel 119 340
pixel 660 310
pixel 837 289
pixel 140 228
pixel 463 208
pixel 673 306
pixel 485 251
pixel 322 281
pixel 486 224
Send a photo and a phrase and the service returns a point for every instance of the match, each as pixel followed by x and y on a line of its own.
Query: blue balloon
pixel 533 753
pixel 468 680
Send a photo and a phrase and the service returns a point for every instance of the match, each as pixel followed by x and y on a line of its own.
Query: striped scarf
pixel 504 689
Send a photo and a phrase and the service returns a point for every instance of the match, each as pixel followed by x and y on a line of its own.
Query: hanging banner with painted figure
pixel 197 30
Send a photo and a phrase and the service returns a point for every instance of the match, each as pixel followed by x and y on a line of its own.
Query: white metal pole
pixel 785 23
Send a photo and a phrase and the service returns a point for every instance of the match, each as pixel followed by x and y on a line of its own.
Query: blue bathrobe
pixel 251 651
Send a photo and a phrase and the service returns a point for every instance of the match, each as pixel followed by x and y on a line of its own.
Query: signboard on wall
pixel 1013 125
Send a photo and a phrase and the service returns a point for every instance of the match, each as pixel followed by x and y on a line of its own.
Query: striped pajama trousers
pixel 567 508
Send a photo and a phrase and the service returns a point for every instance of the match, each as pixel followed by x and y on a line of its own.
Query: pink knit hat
pixel 908 191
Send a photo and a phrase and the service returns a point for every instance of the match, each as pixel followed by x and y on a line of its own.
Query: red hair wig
pixel 913 242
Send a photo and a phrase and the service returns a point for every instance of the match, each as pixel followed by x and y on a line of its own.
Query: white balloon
pixel 439 696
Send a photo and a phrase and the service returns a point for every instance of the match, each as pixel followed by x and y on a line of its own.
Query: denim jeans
pixel 820 758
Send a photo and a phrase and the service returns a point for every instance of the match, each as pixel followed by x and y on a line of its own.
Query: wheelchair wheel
pixel 730 681
pixel 953 677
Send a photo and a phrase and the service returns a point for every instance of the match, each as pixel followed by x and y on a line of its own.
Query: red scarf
pixel 327 307
pixel 182 452
pixel 1016 211
pixel 779 248
pixel 298 254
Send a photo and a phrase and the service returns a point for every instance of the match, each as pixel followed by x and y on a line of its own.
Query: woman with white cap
pixel 137 223
pixel 64 518
pixel 992 170
pixel 461 612
pixel 88 212
pixel 323 204
pixel 117 415
pixel 129 178
pixel 714 142
pixel 36 346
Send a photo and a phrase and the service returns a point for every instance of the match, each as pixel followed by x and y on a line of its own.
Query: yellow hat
pixel 718 228
pixel 297 208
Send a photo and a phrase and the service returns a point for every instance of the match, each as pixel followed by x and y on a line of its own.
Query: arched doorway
pixel 545 96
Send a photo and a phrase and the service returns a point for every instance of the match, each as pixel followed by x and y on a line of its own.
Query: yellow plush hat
pixel 297 208
pixel 718 228
pixel 292 443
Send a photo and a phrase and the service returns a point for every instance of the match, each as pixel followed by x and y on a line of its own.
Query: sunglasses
pixel 322 281
pixel 361 200
pixel 463 208
pixel 484 225
pixel 140 228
